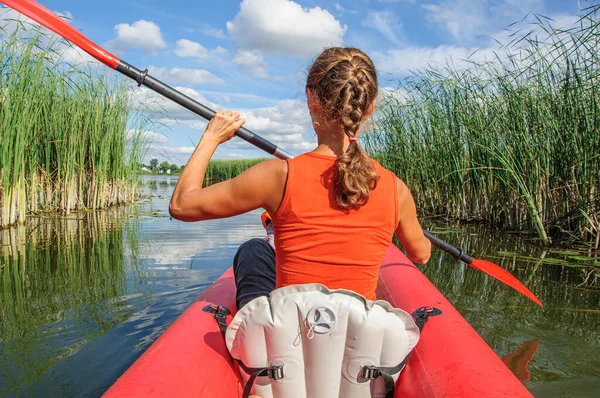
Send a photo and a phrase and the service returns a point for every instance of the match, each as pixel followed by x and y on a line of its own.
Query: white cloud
pixel 190 49
pixel 340 8
pixel 216 33
pixel 283 26
pixel 159 105
pixel 176 150
pixel 402 61
pixel 253 62
pixel 385 22
pixel 516 9
pixel 464 19
pixel 184 75
pixel 142 35
pixel 284 124
pixel 76 56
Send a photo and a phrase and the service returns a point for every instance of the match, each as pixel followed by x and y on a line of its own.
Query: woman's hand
pixel 223 126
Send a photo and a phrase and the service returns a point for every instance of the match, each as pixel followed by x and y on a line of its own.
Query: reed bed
pixel 63 140
pixel 514 142
pixel 221 170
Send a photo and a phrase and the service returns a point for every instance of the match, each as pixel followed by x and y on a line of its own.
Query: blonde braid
pixel 345 82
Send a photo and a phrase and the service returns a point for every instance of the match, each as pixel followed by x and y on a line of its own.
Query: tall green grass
pixel 63 140
pixel 514 141
pixel 221 170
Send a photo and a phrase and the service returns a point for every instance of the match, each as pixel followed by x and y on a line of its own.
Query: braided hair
pixel 345 82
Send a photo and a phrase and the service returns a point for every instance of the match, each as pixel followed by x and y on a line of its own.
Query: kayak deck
pixel 190 359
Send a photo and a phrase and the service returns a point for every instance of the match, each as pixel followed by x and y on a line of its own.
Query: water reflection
pixel 567 327
pixel 82 297
pixel 60 282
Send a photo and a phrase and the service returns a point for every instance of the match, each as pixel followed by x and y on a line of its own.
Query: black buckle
pixel 275 372
pixel 217 310
pixel 426 311
pixel 371 372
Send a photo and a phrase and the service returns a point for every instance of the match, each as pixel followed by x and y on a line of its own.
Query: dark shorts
pixel 254 271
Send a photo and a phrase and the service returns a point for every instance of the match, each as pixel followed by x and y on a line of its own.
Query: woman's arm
pixel 260 186
pixel 409 231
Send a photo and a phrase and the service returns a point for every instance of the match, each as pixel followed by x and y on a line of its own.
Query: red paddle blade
pixel 495 271
pixel 50 20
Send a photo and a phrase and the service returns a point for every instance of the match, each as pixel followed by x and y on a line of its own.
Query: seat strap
pixel 274 372
pixel 421 316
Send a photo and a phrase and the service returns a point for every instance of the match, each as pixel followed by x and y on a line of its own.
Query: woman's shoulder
pixel 379 169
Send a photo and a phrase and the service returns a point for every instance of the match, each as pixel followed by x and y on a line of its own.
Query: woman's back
pixel 318 242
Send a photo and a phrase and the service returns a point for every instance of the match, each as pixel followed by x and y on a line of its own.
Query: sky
pixel 253 55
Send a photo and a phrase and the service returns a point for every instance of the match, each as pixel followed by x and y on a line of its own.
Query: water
pixel 83 297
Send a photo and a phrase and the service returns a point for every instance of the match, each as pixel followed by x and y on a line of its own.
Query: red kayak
pixel 190 359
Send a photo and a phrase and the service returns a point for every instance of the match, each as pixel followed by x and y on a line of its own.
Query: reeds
pixel 514 141
pixel 221 170
pixel 63 140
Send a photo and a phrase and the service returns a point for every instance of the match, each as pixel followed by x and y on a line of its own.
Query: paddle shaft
pixel 50 20
pixel 455 252
pixel 169 92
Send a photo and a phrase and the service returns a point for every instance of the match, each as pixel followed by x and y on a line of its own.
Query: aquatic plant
pixel 220 170
pixel 513 141
pixel 63 132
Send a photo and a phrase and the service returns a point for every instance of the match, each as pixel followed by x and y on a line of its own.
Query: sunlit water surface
pixel 83 297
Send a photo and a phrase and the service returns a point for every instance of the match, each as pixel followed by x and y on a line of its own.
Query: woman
pixel 334 210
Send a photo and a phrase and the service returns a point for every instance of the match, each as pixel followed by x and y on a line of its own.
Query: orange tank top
pixel 318 243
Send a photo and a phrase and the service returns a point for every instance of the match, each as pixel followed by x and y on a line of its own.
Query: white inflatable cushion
pixel 323 338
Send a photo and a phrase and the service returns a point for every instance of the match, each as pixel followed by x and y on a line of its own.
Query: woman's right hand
pixel 223 126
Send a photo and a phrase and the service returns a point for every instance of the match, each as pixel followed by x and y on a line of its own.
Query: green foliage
pixel 153 165
pixel 220 170
pixel 514 142
pixel 63 134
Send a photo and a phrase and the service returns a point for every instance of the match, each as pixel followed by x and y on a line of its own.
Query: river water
pixel 83 296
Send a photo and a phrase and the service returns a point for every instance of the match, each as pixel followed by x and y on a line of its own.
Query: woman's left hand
pixel 223 126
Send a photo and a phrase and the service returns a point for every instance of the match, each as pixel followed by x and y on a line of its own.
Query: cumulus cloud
pixel 283 26
pixel 212 32
pixel 142 35
pixel 184 75
pixel 253 62
pixel 285 123
pixel 190 49
pixel 385 22
pixel 466 20
pixel 402 61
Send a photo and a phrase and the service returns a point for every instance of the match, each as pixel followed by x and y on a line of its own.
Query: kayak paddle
pixel 493 270
pixel 50 20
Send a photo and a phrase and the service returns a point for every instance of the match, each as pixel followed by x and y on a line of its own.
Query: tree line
pixel 162 168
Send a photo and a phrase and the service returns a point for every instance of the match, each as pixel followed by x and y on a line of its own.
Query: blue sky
pixel 252 55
